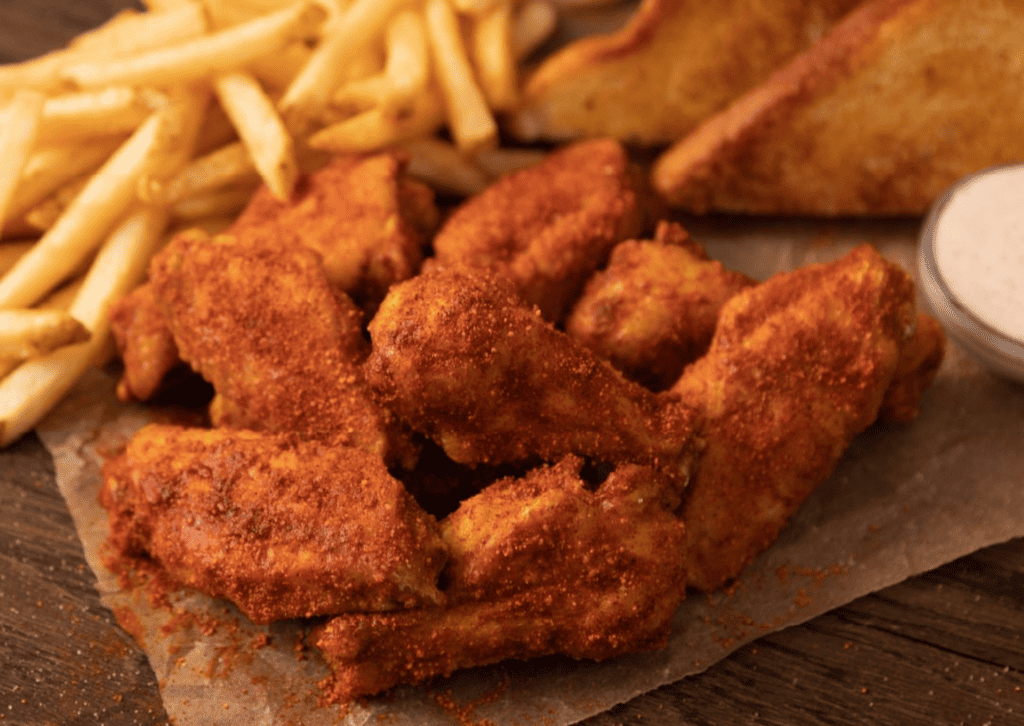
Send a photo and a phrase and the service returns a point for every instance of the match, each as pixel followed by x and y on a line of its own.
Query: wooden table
pixel 946 647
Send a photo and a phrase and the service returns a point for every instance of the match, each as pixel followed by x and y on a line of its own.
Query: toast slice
pixel 902 98
pixel 670 66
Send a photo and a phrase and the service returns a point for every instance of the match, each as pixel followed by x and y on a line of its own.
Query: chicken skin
pixel 548 227
pixel 654 308
pixel 280 346
pixel 798 365
pixel 460 358
pixel 145 342
pixel 284 528
pixel 919 364
pixel 367 220
pixel 538 565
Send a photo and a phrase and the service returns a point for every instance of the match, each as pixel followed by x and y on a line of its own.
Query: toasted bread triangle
pixel 902 98
pixel 674 63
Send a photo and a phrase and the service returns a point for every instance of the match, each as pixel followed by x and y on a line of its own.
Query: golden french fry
pixel 500 161
pixel 129 33
pixel 217 203
pixel 406 71
pixel 11 252
pixel 224 50
pixel 30 390
pixel 469 119
pixel 532 23
pixel 277 71
pixel 374 130
pixel 18 129
pixel 103 200
pixel 343 38
pixel 230 164
pixel 45 214
pixel 27 333
pixel 494 58
pixel 113 110
pixel 475 7
pixel 261 130
pixel 443 167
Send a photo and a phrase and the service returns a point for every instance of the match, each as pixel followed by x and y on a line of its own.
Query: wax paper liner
pixel 903 500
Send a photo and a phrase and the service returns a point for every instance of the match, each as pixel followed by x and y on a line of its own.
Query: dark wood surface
pixel 946 647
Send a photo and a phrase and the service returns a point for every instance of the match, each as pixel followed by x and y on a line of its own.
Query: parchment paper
pixel 904 499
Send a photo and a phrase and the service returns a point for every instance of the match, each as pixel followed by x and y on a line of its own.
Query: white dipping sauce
pixel 979 249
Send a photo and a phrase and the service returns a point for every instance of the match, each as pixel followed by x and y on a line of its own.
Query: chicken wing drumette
pixel 548 227
pixel 654 308
pixel 282 527
pixel 459 357
pixel 538 565
pixel 280 346
pixel 798 365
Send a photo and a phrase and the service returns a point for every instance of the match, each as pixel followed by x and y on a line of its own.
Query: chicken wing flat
pixel 798 365
pixel 919 364
pixel 459 357
pixel 654 308
pixel 261 323
pixel 538 565
pixel 368 221
pixel 549 226
pixel 284 528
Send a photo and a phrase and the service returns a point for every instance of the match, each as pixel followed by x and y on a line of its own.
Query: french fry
pixel 230 164
pixel 217 203
pixel 18 130
pixel 129 33
pixel 444 167
pixel 532 23
pixel 475 7
pixel 469 119
pixel 30 390
pixel 406 71
pixel 119 37
pixel 113 110
pixel 11 252
pixel 278 70
pixel 261 130
pixel 99 205
pixel 343 38
pixel 224 50
pixel 28 333
pixel 494 58
pixel 374 130
pixel 45 214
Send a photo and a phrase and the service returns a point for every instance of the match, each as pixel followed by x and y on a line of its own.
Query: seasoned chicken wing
pixel 538 565
pixel 548 227
pixel 460 358
pixel 654 308
pixel 284 528
pixel 919 364
pixel 368 221
pixel 145 342
pixel 280 346
pixel 798 365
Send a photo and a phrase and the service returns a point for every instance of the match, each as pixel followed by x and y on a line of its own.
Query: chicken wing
pixel 368 221
pixel 145 342
pixel 653 309
pixel 280 346
pixel 460 358
pixel 919 364
pixel 798 365
pixel 282 527
pixel 538 565
pixel 549 226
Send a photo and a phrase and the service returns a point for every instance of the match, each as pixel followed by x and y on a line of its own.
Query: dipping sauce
pixel 971 264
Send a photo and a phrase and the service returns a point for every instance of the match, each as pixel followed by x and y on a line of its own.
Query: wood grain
pixel 942 648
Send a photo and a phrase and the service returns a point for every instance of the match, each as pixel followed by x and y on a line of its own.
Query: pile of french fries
pixel 174 116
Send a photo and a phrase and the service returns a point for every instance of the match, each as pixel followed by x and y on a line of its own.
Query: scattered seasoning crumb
pixel 864 689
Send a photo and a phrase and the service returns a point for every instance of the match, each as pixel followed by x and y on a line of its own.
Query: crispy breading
pixel 538 565
pixel 368 221
pixel 549 226
pixel 144 342
pixel 281 347
pixel 461 359
pixel 284 528
pixel 653 309
pixel 798 365
pixel 671 66
pixel 919 364
pixel 903 98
